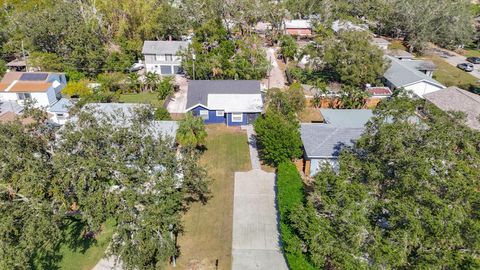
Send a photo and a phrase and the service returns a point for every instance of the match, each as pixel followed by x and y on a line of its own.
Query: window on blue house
pixel 220 113
pixel 204 114
pixel 237 117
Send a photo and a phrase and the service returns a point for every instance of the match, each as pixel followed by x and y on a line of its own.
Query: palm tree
pixel 191 132
pixel 151 81
pixel 133 81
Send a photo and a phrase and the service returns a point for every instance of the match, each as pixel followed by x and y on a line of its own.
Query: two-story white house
pixel 43 88
pixel 162 57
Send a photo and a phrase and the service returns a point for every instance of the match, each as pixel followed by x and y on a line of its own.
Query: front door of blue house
pixel 251 117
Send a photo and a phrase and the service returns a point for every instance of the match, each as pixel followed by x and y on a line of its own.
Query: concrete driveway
pixel 256 240
pixel 178 102
pixel 277 76
pixel 454 59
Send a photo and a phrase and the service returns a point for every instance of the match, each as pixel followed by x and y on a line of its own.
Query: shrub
pixel 162 114
pixel 278 137
pixel 290 197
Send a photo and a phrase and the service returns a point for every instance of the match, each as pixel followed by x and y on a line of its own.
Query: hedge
pixel 290 196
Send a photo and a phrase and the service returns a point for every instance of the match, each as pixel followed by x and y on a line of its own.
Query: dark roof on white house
pixel 327 141
pixel 456 99
pixel 163 46
pixel 199 90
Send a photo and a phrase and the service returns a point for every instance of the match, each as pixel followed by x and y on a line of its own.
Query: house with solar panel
pixel 323 142
pixel 231 102
pixel 43 88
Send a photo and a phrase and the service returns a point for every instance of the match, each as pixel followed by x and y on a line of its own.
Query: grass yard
pixel 450 75
pixel 472 53
pixel 208 228
pixel 86 253
pixel 309 115
pixel 147 97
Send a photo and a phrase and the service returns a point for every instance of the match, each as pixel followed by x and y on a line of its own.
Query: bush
pixel 290 197
pixel 162 114
pixel 278 137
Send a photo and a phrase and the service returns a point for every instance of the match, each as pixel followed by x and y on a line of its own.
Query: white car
pixel 136 67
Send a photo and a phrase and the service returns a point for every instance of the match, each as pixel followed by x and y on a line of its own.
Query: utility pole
pixel 24 58
pixel 269 70
pixel 193 58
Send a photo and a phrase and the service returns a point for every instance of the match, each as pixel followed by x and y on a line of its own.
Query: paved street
pixel 454 59
pixel 179 100
pixel 277 76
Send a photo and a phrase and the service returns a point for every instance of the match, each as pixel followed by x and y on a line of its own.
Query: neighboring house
pixel 346 118
pixel 60 111
pixel 17 64
pixel 339 25
pixel 233 102
pixel 298 28
pixel 379 92
pixel 122 114
pixel 381 43
pixel 400 54
pixel 322 143
pixel 42 87
pixel 410 75
pixel 162 57
pixel 458 100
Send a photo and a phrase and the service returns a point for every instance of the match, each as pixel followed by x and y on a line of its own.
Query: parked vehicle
pixel 474 60
pixel 466 67
pixel 136 67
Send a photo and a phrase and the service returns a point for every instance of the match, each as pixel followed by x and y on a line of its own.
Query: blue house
pixel 232 102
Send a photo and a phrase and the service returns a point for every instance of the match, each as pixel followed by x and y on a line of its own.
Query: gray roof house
pixel 162 57
pixel 409 74
pixel 60 110
pixel 323 143
pixel 122 114
pixel 349 118
pixel 456 99
pixel 233 102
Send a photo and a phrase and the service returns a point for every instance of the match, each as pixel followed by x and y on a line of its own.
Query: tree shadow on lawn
pixel 78 237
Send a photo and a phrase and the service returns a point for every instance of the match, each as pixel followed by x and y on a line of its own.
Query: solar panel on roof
pixel 34 77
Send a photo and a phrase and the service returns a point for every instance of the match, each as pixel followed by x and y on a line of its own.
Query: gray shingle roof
pixel 327 141
pixel 198 90
pixel 456 99
pixel 122 114
pixel 346 118
pixel 401 74
pixel 163 47
pixel 62 105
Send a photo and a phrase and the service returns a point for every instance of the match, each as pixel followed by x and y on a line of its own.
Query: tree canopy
pixel 406 196
pixel 92 172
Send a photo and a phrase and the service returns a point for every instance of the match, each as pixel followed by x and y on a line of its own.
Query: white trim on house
pixel 203 114
pixel 220 113
pixel 196 105
pixel 237 117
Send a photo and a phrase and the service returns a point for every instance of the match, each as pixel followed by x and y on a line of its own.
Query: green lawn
pixel 472 53
pixel 208 228
pixel 450 75
pixel 146 97
pixel 84 254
